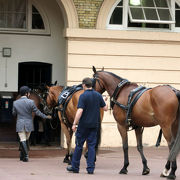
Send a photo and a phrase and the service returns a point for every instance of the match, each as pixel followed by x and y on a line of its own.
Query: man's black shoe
pixel 70 169
pixel 90 172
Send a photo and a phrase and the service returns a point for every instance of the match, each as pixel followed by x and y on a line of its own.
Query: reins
pixel 43 97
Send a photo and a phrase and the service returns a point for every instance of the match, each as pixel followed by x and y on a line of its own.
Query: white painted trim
pixel 104 13
pixel 44 18
pixel 69 13
pixel 109 35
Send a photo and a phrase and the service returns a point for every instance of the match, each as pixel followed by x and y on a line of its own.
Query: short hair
pixel 87 82
pixel 23 90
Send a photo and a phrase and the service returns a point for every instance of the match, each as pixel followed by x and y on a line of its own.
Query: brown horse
pixel 155 106
pixel 70 111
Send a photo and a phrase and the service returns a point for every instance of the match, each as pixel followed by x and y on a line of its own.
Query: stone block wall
pixel 87 11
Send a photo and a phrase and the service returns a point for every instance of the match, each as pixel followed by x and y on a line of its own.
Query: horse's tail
pixel 176 146
pixel 98 142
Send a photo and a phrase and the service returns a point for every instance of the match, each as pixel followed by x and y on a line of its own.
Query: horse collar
pixel 118 88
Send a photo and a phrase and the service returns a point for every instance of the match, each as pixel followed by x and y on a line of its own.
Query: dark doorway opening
pixel 33 74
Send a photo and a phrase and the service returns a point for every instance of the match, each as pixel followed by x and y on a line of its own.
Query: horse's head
pixel 40 95
pixel 36 98
pixel 98 83
pixel 52 95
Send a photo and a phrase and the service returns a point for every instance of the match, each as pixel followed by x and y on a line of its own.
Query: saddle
pixel 133 97
pixel 64 98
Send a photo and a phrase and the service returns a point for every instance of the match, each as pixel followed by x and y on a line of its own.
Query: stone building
pixel 42 41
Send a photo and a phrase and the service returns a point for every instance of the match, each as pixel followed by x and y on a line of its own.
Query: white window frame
pixel 124 25
pixel 28 29
pixel 151 21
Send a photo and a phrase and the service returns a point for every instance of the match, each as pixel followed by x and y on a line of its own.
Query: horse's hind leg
pixel 173 165
pixel 173 170
pixel 139 132
pixel 123 132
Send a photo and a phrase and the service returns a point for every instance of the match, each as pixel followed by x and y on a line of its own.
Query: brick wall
pixel 87 12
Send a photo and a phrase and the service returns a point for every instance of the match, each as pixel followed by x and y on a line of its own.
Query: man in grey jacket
pixel 23 108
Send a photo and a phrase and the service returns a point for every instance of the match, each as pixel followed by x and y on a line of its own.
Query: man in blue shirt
pixel 87 117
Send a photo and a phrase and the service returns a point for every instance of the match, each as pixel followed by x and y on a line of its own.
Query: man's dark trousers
pixel 83 134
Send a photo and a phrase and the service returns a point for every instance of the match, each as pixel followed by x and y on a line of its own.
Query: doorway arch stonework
pixel 69 13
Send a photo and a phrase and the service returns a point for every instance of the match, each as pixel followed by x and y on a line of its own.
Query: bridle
pixel 94 79
pixel 50 111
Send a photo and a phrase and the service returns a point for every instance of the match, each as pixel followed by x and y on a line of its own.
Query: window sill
pixel 24 32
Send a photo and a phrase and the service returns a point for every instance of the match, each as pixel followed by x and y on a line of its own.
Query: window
pixel 22 16
pixel 13 14
pixel 150 11
pixel 117 15
pixel 159 14
pixel 37 21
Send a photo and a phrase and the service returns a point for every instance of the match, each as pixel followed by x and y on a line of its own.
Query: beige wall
pixel 148 58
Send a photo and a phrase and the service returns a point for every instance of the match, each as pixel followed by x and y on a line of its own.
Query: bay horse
pixel 70 112
pixel 155 106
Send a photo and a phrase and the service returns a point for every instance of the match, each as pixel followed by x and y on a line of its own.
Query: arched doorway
pixel 35 74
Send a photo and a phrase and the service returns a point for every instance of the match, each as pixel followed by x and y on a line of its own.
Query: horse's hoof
pixel 171 176
pixel 123 171
pixel 66 161
pixel 165 173
pixel 146 171
pixel 162 175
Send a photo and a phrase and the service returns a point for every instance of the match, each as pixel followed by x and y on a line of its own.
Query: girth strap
pixel 140 90
pixel 64 98
pixel 131 102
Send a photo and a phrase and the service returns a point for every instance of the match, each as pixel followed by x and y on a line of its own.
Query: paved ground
pixel 46 163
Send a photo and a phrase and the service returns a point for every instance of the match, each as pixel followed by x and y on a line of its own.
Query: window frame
pixel 124 25
pixel 18 29
pixel 158 21
pixel 29 29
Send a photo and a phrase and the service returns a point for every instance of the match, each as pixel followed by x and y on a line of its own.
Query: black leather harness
pixel 64 98
pixel 133 97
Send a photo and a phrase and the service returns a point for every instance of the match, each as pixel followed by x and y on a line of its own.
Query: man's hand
pixel 49 117
pixel 105 98
pixel 74 127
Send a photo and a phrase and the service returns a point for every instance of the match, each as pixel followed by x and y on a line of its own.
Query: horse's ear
pixel 55 83
pixel 102 69
pixel 47 87
pixel 94 69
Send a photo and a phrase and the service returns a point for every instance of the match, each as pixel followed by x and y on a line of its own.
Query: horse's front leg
pixel 68 134
pixel 123 132
pixel 139 132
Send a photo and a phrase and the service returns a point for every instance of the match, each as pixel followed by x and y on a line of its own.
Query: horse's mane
pixel 114 75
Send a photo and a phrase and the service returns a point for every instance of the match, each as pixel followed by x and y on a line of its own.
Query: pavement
pixel 46 163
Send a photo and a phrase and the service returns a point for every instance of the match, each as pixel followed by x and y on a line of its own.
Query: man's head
pixel 87 82
pixel 23 90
